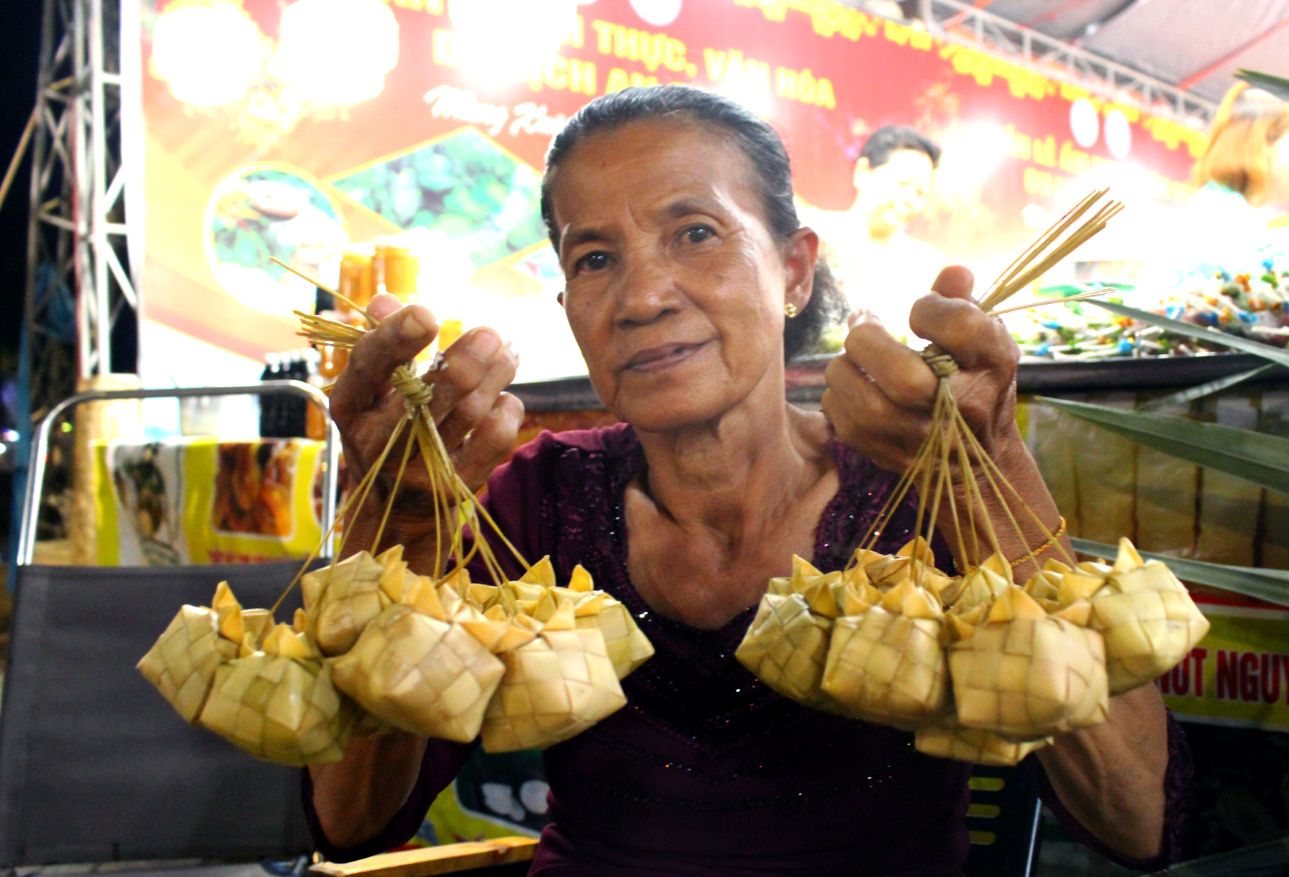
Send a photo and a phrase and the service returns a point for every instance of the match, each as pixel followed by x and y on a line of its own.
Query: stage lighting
pixel 336 53
pixel 499 43
pixel 209 54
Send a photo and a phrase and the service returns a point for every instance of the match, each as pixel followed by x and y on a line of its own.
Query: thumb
pixel 954 281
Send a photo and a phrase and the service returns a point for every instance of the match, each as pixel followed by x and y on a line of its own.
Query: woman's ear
pixel 799 262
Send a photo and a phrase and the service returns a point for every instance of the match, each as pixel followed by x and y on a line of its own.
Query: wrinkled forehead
pixel 657 158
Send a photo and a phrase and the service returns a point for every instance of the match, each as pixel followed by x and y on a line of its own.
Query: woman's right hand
pixel 478 421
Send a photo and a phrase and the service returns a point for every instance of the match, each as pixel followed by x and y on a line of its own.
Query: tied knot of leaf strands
pixel 414 390
pixel 940 362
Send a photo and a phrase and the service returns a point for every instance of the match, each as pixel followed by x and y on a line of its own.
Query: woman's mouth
pixel 660 358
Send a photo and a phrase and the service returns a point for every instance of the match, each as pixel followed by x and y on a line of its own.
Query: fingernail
pixel 861 315
pixel 483 345
pixel 412 327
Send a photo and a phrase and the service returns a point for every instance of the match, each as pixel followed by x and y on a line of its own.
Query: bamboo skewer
pixel 372 321
pixel 1032 305
pixel 1045 252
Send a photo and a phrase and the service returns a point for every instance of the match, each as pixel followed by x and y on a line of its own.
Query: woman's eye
pixel 594 261
pixel 698 233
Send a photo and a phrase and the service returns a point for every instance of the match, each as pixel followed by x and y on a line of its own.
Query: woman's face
pixel 894 193
pixel 675 286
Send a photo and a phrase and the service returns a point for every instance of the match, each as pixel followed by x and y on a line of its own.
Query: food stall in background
pixel 203 500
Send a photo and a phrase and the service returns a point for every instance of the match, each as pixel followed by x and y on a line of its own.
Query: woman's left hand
pixel 879 400
pixel 880 394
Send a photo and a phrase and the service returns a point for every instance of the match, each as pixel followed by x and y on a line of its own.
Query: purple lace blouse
pixel 706 771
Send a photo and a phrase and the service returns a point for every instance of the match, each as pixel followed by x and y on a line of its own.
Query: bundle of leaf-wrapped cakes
pixel 980 668
pixel 523 664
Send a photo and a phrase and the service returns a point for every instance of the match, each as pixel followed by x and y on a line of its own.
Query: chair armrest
pixel 427 861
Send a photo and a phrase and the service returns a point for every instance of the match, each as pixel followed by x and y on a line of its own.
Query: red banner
pixel 289 130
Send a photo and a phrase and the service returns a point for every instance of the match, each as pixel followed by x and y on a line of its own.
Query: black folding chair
pixel 94 765
pixel 1003 817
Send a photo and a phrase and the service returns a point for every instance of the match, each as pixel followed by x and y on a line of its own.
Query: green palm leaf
pixel 1253 456
pixel 1213 336
pixel 1269 585
pixel 1065 289
pixel 1190 394
pixel 1277 85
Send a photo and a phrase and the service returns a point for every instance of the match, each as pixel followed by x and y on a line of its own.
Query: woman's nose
pixel 647 290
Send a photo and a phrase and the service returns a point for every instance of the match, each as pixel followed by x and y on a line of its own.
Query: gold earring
pixel 791 310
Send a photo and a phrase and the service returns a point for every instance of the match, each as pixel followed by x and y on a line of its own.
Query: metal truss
pixel 76 262
pixel 963 23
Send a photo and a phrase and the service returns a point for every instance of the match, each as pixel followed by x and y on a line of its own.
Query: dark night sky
pixel 19 59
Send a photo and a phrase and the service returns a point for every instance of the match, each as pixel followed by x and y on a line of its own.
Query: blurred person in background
pixel 1244 172
pixel 1248 153
pixel 1234 231
pixel 881 267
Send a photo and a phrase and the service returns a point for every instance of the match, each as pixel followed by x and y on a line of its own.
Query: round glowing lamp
pixel 501 42
pixel 208 52
pixel 336 53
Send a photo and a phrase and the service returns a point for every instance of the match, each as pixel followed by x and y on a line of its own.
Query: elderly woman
pixel 671 211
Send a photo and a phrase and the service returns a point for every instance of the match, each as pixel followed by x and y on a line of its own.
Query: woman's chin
pixel 667 411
